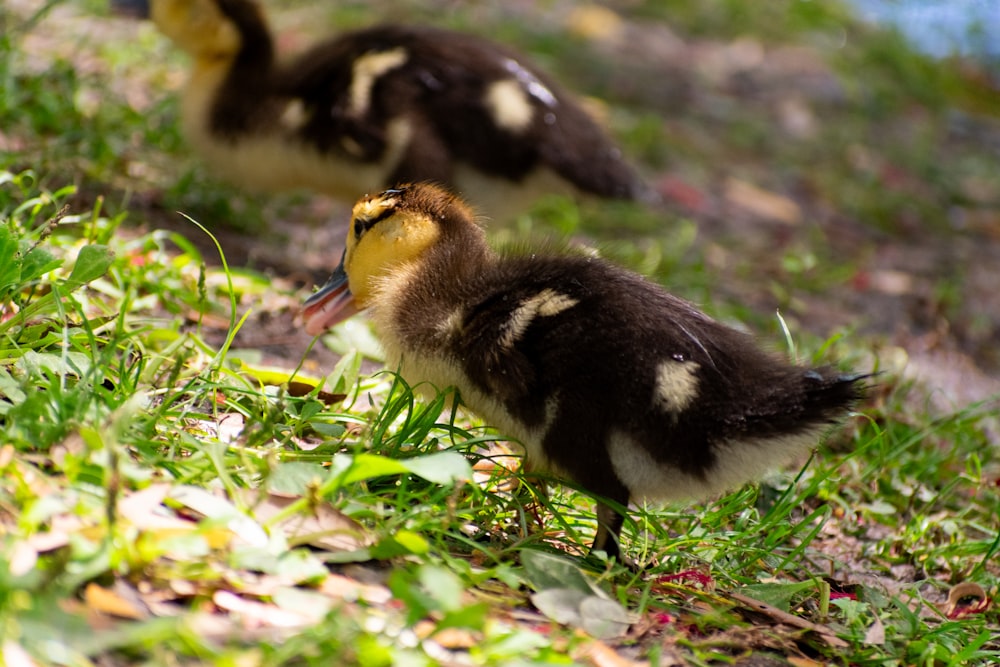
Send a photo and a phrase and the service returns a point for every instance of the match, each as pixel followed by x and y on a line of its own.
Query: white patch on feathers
pixel 294 115
pixel 365 71
pixel 545 304
pixel 428 366
pixel 676 385
pixel 451 326
pixel 736 463
pixel 509 106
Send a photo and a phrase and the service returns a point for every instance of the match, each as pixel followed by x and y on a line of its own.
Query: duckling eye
pixel 363 223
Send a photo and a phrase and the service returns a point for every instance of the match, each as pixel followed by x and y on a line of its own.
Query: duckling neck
pixel 416 306
pixel 256 52
pixel 244 100
pixel 229 92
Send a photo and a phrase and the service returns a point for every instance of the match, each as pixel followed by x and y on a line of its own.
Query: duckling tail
pixel 828 394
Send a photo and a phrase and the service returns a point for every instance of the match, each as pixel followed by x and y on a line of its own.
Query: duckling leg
pixel 609 529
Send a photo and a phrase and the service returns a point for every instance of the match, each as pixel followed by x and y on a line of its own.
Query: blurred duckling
pixel 384 105
pixel 603 377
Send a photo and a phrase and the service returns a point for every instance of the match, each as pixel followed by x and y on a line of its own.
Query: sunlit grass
pixel 118 378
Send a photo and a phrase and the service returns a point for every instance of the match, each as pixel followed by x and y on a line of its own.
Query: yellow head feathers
pixel 197 26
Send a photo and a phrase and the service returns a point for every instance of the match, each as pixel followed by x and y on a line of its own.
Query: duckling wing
pixel 606 370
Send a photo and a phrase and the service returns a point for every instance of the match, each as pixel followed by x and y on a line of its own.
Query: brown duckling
pixel 380 106
pixel 603 377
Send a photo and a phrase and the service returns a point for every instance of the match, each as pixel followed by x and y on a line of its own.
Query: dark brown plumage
pixel 379 106
pixel 602 376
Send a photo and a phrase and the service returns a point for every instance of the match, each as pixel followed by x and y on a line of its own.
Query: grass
pixel 167 496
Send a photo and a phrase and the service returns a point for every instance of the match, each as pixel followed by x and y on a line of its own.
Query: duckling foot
pixel 609 528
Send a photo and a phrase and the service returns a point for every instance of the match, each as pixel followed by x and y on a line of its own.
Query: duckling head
pixel 389 232
pixel 202 28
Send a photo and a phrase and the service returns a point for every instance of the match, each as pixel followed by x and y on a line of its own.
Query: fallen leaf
pixel 875 636
pixel 597 616
pixel 595 22
pixel 259 614
pixel 324 527
pixel 310 603
pixel 497 469
pixel 21 559
pixel 299 389
pixel 113 602
pixel 965 599
pixel 456 638
pixel 799 661
pixel 599 654
pixel 15 656
pixel 352 590
pixel 762 203
pixel 562 605
pixel 547 571
pixel 144 509
pixel 891 282
pixel 230 427
pixel 49 541
pixel 216 507
pixel 603 618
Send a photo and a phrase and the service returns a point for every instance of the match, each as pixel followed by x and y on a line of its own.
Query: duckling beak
pixel 333 303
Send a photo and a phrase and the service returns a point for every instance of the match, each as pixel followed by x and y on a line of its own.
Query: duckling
pixel 380 106
pixel 602 376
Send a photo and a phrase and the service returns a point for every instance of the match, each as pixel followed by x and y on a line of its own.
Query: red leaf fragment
pixel 690 577
pixel 834 595
pixel 966 599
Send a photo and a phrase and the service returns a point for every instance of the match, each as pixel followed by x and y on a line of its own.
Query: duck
pixel 604 378
pixel 386 104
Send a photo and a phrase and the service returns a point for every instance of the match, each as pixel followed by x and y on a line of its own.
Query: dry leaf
pixel 145 510
pixel 965 599
pixel 890 281
pixel 215 506
pixel 497 469
pixel 325 528
pixel 22 559
pixel 258 614
pixel 50 541
pixel 351 590
pixel 296 388
pixel 15 656
pixel 230 427
pixel 762 203
pixel 876 633
pixel 113 602
pixel 799 661
pixel 6 456
pixel 596 23
pixel 599 654
pixel 457 638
